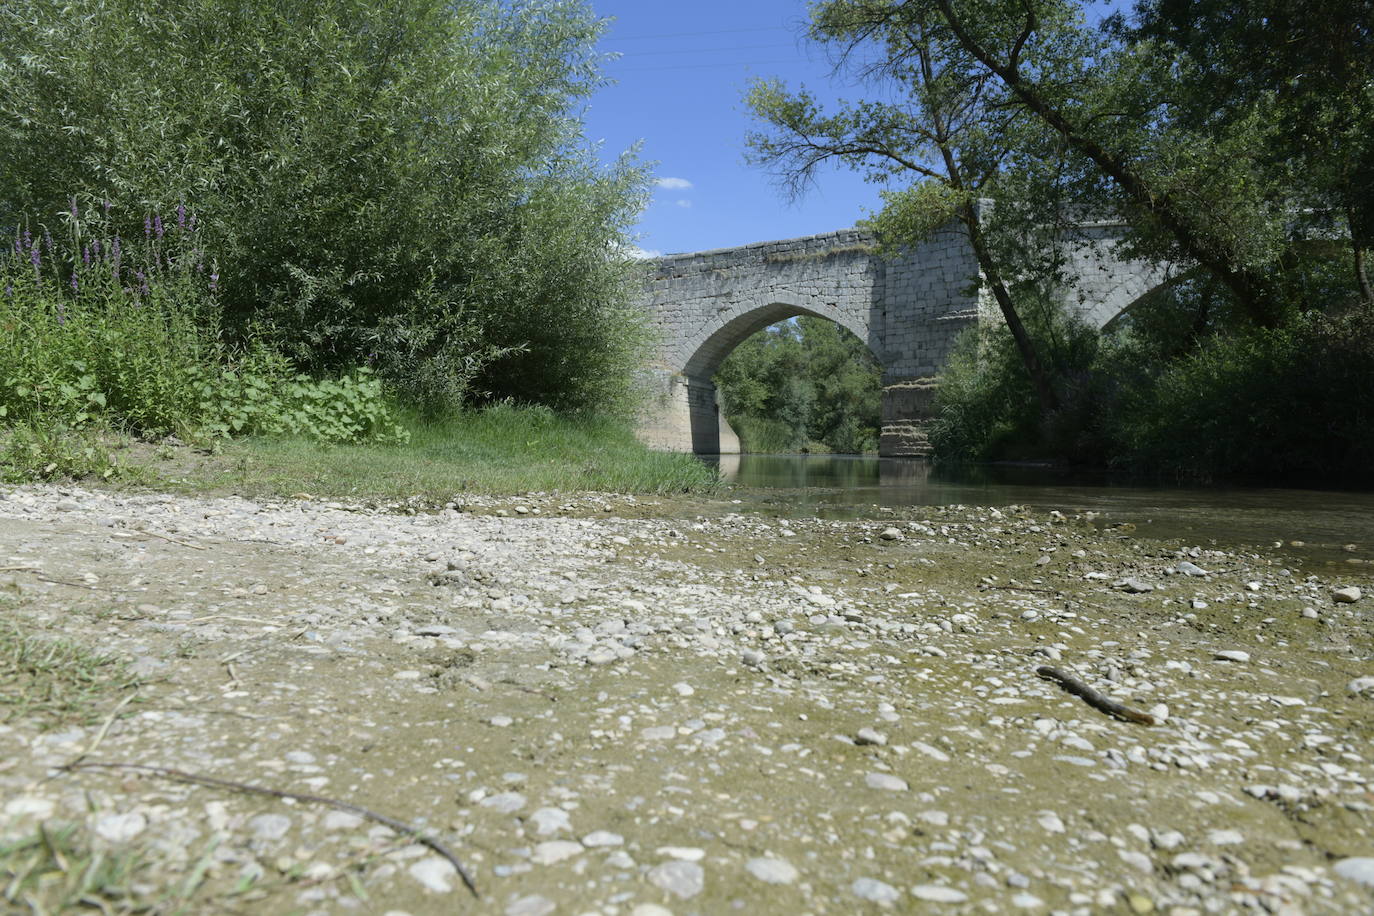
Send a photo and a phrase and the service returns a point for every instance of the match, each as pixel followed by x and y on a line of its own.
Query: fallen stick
pixel 214 782
pixel 1096 700
pixel 154 534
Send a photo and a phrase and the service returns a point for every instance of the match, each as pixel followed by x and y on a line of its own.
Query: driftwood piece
pixel 1093 698
pixel 197 779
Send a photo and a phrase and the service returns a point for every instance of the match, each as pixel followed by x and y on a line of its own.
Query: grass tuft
pixel 54 681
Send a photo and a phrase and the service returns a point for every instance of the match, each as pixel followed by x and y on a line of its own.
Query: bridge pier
pixel 907 409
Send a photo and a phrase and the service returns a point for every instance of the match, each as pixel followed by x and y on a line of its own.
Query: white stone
pixel 553 851
pixel 548 820
pixel 598 838
pixel 120 828
pixel 679 878
pixel 772 871
pixel 685 853
pixel 938 893
pixel 434 874
pixel 1232 655
pixel 875 891
pixel 1359 869
pixel 1348 595
pixel 531 905
pixel 886 781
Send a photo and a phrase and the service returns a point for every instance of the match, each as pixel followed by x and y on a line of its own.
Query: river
pixel 1326 528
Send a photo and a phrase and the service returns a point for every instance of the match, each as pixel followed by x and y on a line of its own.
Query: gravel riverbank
pixel 603 705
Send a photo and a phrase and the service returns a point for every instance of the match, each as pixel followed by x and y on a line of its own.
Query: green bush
pixel 987 410
pixel 97 333
pixel 401 184
pixel 1294 402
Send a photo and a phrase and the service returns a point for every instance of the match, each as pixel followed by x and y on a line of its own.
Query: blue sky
pixel 678 88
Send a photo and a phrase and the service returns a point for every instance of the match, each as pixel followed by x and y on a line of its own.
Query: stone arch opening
pixel 710 432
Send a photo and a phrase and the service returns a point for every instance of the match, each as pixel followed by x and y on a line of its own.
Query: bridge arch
pixel 710 434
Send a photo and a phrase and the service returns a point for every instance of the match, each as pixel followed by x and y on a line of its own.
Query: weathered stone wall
pixel 908 309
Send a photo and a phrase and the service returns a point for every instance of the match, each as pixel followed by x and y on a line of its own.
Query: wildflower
pixel 181 216
pixel 36 258
pixel 157 225
pixel 86 256
pixel 61 313
pixel 107 206
pixel 214 278
pixel 147 227
pixel 76 286
pixel 76 215
pixel 142 282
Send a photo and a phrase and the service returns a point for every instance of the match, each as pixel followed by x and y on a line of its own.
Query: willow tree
pixel 404 182
pixel 948 136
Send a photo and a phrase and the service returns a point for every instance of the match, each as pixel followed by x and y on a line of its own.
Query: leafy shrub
pixel 404 185
pixel 98 332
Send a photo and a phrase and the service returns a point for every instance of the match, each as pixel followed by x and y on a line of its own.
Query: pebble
pixel 685 853
pixel 120 828
pixel 434 874
pixel 875 891
pixel 1361 686
pixel 504 802
pixel 868 736
pixel 938 893
pixel 679 878
pixel 1359 869
pixel 886 781
pixel 532 905
pixel 599 838
pixel 1025 901
pixel 1348 595
pixel 270 826
pixel 1133 586
pixel 772 871
pixel 1189 568
pixel 684 689
pixel 552 851
pixel 547 820
pixel 752 657
pixel 890 534
pixel 650 909
pixel 1232 655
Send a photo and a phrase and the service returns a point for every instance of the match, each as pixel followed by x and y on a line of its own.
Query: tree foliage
pixel 802 382
pixel 402 183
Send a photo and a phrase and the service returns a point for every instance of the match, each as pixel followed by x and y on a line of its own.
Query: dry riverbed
pixel 602 705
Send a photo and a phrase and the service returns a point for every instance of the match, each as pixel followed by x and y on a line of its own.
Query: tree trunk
pixel 1039 376
pixel 1249 289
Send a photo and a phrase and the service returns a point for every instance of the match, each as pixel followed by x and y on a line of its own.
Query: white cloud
pixel 644 254
pixel 687 204
pixel 673 184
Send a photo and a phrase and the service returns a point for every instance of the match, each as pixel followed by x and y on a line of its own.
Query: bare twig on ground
pixel 214 782
pixel 1093 698
pixel 154 534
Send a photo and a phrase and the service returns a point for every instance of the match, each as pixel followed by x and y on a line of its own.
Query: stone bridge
pixel 908 310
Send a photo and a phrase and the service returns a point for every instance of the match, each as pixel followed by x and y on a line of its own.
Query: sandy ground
pixel 637 711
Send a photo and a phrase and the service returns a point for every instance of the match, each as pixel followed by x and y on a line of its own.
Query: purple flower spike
pixel 107 207
pixel 61 313
pixel 76 214
pixel 157 226
pixel 181 216
pixel 86 256
pixel 76 285
pixel 36 258
pixel 147 227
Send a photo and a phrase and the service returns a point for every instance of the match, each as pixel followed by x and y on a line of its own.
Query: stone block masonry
pixel 908 309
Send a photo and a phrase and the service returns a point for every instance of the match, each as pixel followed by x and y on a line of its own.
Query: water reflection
pixel 1324 523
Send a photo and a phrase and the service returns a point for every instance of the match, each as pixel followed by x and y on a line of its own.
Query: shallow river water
pixel 1325 527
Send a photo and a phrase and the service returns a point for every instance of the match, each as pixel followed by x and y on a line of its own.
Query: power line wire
pixel 694 34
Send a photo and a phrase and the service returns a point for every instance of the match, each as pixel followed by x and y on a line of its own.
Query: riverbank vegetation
pixel 1228 156
pixel 802 385
pixel 306 221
